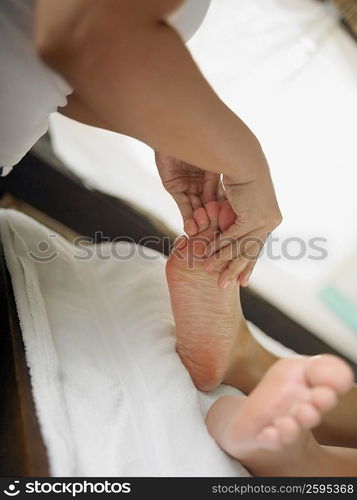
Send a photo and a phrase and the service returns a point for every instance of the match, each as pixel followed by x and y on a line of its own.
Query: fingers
pixel 227 216
pixel 187 207
pixel 230 235
pixel 231 272
pixel 210 187
pixel 236 270
pixel 247 248
pixel 201 219
pixel 244 275
pixel 236 261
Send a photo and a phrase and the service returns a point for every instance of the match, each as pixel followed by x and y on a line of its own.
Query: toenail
pixel 226 284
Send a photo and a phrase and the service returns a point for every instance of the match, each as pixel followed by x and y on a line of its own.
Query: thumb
pixel 184 205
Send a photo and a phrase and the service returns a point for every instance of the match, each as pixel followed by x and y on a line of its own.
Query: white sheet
pixel 112 396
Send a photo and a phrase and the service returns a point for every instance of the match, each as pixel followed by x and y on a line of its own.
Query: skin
pixel 249 365
pixel 269 431
pixel 215 344
pixel 131 73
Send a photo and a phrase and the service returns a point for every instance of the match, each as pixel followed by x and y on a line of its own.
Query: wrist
pixel 248 163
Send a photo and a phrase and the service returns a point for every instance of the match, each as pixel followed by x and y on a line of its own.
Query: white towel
pixel 112 396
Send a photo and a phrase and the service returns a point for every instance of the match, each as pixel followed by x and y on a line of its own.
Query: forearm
pixel 135 74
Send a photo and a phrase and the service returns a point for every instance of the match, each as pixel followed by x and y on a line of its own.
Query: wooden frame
pixel 22 451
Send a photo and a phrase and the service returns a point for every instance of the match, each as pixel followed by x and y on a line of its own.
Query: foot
pixel 268 431
pixel 210 327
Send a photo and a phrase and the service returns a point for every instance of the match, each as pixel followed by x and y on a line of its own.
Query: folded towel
pixel 112 396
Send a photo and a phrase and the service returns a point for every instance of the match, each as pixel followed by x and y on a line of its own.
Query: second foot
pixel 268 431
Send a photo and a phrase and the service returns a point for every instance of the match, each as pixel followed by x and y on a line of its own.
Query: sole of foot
pixel 269 430
pixel 208 318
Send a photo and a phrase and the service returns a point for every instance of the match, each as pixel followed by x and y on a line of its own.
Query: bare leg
pixel 212 335
pixel 338 426
pixel 269 430
pixel 214 340
pixel 207 319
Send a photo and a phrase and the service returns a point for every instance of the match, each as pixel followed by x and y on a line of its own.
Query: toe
pixel 323 398
pixel 201 219
pixel 226 217
pixel 288 429
pixel 330 371
pixel 191 227
pixel 307 416
pixel 180 243
pixel 269 437
pixel 213 209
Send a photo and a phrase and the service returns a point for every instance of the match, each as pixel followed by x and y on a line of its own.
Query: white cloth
pixel 112 396
pixel 29 90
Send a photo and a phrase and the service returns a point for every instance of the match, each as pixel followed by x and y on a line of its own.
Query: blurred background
pixel 288 68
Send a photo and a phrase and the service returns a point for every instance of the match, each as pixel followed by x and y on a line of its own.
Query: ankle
pixel 249 361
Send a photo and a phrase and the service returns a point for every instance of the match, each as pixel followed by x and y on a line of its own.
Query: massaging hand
pixel 189 186
pixel 234 253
